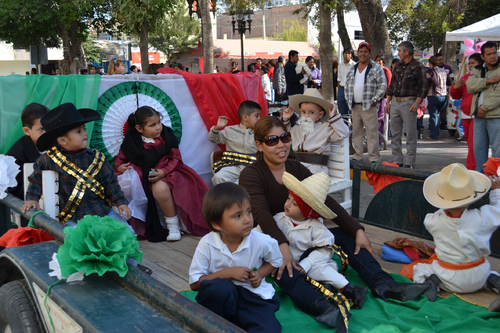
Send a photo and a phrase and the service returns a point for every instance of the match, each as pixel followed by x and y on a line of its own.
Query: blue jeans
pixel 342 103
pixel 239 305
pixel 435 105
pixel 486 135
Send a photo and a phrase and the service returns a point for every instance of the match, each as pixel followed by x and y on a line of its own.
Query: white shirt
pixel 266 84
pixel 212 255
pixel 359 83
pixel 342 71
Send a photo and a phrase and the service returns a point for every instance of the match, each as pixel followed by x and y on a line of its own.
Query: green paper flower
pixel 98 245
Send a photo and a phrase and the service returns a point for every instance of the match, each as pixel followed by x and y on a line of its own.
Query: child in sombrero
pixel 308 235
pixel 461 235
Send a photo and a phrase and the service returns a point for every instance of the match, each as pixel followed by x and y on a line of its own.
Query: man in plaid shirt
pixel 66 139
pixel 365 88
pixel 407 90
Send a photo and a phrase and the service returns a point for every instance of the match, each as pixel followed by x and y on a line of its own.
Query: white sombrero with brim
pixel 311 95
pixel 455 186
pixel 313 190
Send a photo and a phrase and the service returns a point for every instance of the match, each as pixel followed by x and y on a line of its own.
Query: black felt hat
pixel 61 120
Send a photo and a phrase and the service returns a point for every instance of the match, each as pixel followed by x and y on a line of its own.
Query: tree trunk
pixel 457 8
pixel 207 40
pixel 325 51
pixel 66 50
pixel 144 45
pixel 372 17
pixel 343 34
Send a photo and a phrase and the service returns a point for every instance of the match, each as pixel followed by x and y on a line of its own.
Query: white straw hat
pixel 455 186
pixel 313 190
pixel 311 95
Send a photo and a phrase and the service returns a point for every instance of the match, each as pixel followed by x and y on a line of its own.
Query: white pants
pixel 229 174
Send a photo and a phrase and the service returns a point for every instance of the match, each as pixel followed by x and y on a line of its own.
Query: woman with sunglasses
pixel 264 182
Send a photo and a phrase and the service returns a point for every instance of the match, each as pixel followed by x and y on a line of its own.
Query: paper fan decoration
pixel 118 102
pixel 492 166
pixel 97 245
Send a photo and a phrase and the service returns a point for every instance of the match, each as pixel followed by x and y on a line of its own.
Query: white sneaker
pixel 174 234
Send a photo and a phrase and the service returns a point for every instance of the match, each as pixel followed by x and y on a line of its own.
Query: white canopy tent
pixel 487 29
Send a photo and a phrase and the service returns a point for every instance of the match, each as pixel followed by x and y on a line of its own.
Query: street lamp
pixel 239 22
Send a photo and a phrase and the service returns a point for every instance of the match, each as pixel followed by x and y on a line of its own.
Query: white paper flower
pixel 8 172
pixel 56 271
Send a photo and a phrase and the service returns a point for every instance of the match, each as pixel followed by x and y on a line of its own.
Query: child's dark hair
pixel 264 69
pixel 33 112
pixel 477 57
pixel 248 107
pixel 140 116
pixel 219 198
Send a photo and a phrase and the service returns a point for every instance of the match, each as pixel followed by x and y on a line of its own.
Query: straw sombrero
pixel 455 186
pixel 311 95
pixel 313 190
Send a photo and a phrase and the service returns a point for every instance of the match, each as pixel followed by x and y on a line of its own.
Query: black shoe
pixel 495 305
pixel 400 165
pixel 493 283
pixel 327 312
pixel 420 133
pixel 402 291
pixel 356 294
pixel 434 281
pixel 408 166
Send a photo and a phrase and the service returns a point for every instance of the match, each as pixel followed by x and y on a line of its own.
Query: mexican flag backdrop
pixel 189 103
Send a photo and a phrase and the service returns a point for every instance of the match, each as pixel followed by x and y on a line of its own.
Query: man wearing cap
pixel 293 85
pixel 341 76
pixel 407 90
pixel 365 88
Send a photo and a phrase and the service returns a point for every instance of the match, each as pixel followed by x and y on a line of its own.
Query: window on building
pixel 358 35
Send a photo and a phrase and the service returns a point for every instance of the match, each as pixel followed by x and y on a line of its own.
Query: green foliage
pixel 93 53
pixel 293 31
pixel 398 15
pixel 478 10
pixel 177 33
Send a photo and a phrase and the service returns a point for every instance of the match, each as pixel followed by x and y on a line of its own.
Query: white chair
pixel 339 172
pixel 49 202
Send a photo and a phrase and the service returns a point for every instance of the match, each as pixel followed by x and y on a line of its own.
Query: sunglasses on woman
pixel 272 140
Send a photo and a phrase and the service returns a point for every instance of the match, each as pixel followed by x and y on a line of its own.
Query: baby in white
pixel 307 75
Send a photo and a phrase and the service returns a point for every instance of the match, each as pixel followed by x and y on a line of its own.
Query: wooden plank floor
pixel 170 261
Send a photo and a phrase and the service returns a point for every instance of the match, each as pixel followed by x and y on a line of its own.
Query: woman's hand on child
pixel 362 241
pixel 238 273
pixel 124 211
pixel 255 279
pixel 30 204
pixel 154 177
pixel 495 182
pixel 287 262
pixel 124 167
pixel 221 123
pixel 287 113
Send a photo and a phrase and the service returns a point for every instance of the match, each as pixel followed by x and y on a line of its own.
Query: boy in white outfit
pixel 301 225
pixel 239 141
pixel 461 235
pixel 316 129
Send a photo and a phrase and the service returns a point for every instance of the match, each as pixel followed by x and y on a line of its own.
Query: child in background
pixel 24 150
pixel 152 150
pixel 266 83
pixel 231 262
pixel 65 141
pixel 299 222
pixel 461 235
pixel 315 131
pixel 239 141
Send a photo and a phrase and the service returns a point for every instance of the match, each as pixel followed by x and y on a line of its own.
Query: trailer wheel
pixel 17 310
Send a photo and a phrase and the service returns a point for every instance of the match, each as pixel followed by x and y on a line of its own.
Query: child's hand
pixel 124 167
pixel 495 182
pixel 287 113
pixel 255 279
pixel 238 273
pixel 154 177
pixel 300 269
pixel 221 123
pixel 30 204
pixel 124 210
pixel 333 111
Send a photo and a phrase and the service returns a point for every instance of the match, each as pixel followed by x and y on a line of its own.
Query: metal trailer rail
pixel 133 303
pixel 401 206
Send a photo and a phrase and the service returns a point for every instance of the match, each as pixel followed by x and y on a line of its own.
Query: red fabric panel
pixel 220 94
pixel 24 236
pixel 380 180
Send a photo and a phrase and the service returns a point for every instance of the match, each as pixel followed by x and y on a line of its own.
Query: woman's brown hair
pixel 262 128
pixel 112 65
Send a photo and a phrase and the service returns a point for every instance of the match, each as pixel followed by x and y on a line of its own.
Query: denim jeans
pixel 486 135
pixel 435 105
pixel 342 103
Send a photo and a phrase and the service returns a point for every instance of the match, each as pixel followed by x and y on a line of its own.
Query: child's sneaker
pixel 172 224
pixel 493 283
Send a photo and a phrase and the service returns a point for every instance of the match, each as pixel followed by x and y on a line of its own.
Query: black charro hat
pixel 61 120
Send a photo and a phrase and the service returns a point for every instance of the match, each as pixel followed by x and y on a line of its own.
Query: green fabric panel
pixel 444 315
pixel 18 91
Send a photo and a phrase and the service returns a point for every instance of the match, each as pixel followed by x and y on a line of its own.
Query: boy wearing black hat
pixel 87 183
